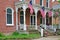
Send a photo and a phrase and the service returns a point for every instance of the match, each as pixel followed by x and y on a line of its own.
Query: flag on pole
pixel 31 7
pixel 50 13
pixel 42 12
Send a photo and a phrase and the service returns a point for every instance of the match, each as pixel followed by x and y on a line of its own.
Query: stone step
pixel 23 32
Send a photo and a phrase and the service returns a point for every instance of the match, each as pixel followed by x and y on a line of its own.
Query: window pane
pixel 46 3
pixel 40 20
pixel 21 13
pixel 9 10
pixel 40 2
pixel 22 19
pixel 9 19
pixel 31 20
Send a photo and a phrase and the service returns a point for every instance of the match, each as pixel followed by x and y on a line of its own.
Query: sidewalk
pixel 49 38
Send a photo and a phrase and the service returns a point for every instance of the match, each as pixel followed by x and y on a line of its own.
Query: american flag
pixel 31 7
pixel 42 12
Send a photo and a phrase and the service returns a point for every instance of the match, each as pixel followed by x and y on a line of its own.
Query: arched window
pixel 9 16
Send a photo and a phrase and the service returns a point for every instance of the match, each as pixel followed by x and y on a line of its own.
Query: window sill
pixel 9 24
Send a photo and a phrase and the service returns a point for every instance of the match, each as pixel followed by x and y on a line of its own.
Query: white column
pixel 45 19
pixel 16 19
pixel 52 19
pixel 41 32
pixel 36 18
pixel 24 17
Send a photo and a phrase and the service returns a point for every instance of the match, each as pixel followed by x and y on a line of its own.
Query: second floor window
pixel 47 3
pixel 40 2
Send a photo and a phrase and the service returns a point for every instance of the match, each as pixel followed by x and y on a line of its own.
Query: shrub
pixel 15 33
pixel 1 34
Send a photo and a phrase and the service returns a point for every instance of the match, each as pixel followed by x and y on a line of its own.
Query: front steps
pixel 49 33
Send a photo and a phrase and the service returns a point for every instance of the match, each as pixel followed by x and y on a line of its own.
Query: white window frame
pixel 12 17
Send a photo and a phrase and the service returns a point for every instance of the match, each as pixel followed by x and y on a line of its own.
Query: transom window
pixel 9 17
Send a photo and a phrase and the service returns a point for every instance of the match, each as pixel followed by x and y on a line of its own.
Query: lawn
pixel 17 35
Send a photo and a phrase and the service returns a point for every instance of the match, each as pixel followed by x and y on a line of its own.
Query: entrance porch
pixel 25 20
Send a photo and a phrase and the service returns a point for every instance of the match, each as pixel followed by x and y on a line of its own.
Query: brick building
pixel 15 14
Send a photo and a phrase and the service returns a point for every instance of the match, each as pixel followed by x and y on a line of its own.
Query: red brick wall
pixel 3 5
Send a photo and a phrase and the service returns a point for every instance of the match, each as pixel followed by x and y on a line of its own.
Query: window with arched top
pixel 9 16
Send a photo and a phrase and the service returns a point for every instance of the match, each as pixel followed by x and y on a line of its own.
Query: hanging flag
pixel 50 13
pixel 42 12
pixel 30 6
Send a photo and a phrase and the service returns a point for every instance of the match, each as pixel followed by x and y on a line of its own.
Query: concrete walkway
pixel 49 38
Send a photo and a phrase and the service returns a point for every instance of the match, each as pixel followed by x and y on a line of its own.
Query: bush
pixel 2 35
pixel 15 33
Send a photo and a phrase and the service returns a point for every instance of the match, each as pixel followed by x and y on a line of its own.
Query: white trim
pixel 24 9
pixel 42 2
pixel 33 1
pixel 53 0
pixel 52 20
pixel 16 18
pixel 12 17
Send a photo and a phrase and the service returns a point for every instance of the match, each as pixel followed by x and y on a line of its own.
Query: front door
pixel 21 20
pixel 32 20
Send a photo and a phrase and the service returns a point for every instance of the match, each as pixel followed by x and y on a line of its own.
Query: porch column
pixel 45 19
pixel 52 20
pixel 16 19
pixel 36 18
pixel 24 8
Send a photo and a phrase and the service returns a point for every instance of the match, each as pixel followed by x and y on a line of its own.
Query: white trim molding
pixel 12 17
